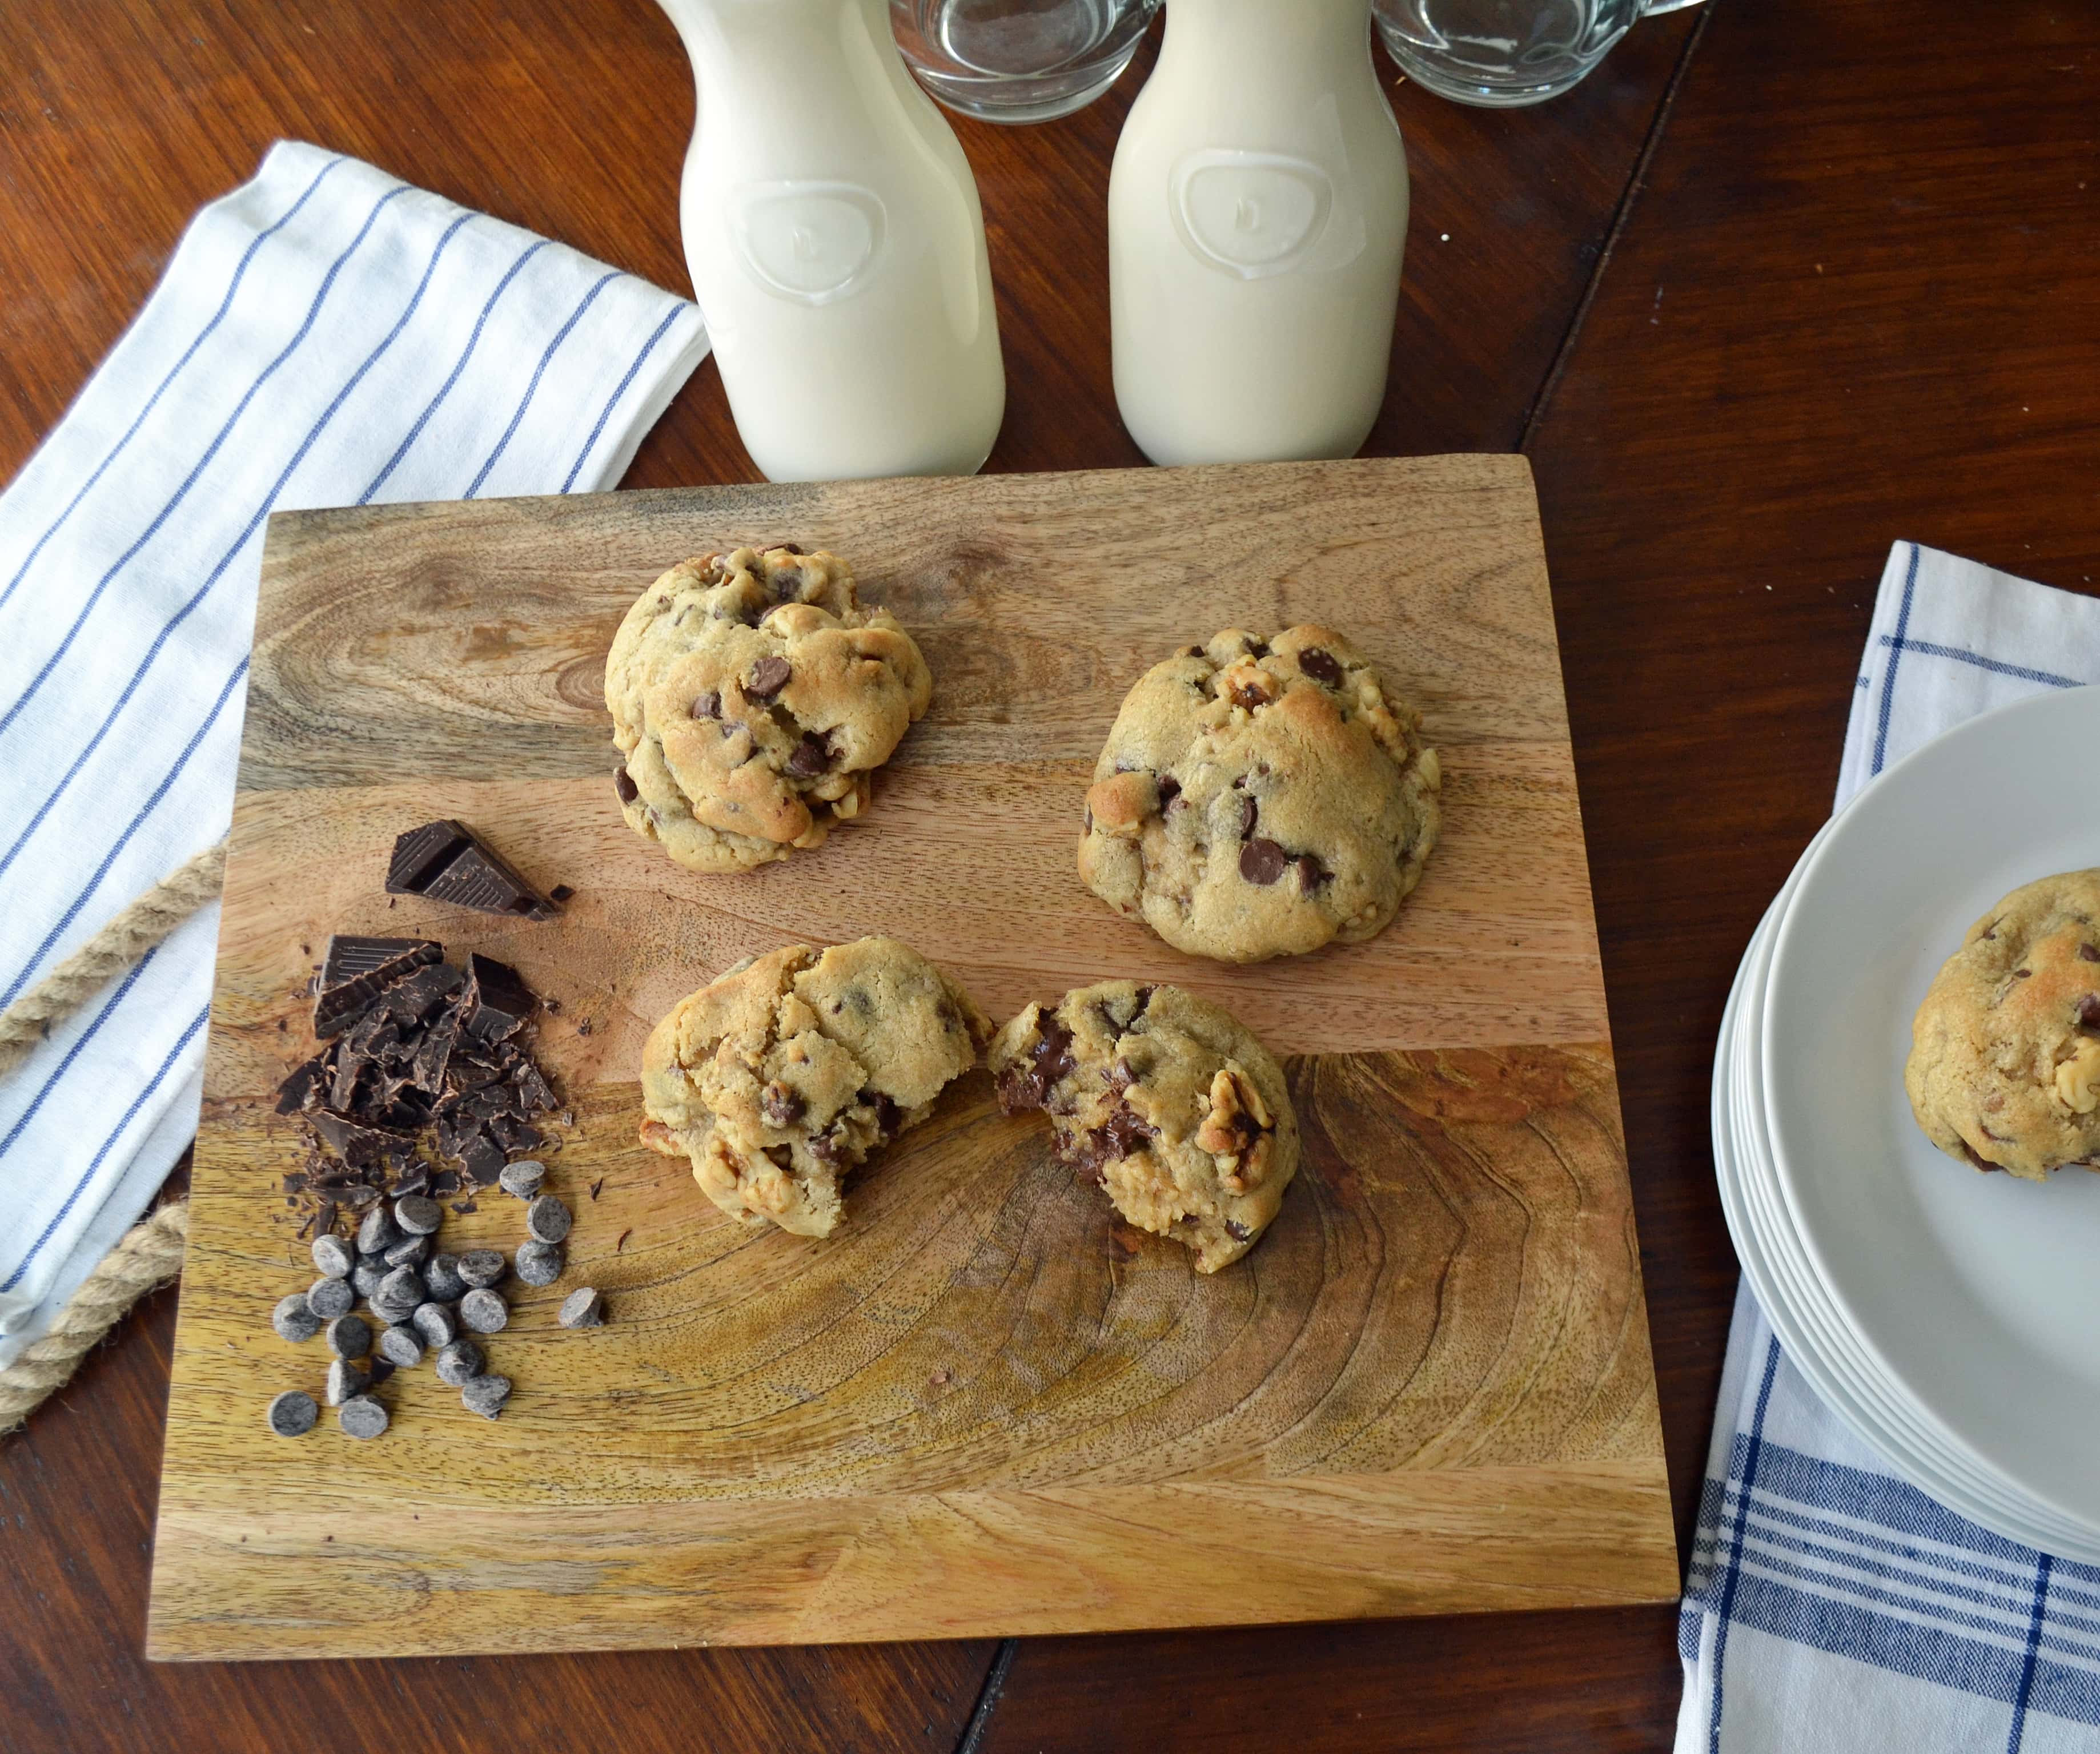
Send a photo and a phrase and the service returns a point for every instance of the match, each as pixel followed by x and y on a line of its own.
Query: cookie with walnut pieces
pixel 1167 1101
pixel 2005 1062
pixel 785 1073
pixel 1261 798
pixel 752 698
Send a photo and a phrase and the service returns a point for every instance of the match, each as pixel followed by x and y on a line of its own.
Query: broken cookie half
pixel 787 1073
pixel 1167 1100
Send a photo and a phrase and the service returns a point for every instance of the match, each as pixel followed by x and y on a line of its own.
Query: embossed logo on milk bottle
pixel 1249 213
pixel 814 242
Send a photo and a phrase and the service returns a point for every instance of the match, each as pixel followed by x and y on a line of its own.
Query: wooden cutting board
pixel 985 1407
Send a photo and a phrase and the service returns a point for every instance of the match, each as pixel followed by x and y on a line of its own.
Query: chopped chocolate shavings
pixel 428 1064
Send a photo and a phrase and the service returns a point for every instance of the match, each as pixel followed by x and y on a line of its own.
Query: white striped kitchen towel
pixel 1831 1607
pixel 325 335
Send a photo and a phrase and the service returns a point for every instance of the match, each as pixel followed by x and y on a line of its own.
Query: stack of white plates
pixel 1952 1317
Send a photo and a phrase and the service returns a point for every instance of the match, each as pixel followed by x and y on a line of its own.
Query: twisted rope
pixel 112 950
pixel 150 1254
pixel 146 1258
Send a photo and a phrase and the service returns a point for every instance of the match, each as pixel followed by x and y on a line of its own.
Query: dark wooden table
pixel 1786 281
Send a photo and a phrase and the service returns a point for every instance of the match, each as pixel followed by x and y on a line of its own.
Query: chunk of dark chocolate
pixel 497 1003
pixel 448 862
pixel 356 971
pixel 307 1085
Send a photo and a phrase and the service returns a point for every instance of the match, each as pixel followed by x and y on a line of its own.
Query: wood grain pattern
pixel 1429 1388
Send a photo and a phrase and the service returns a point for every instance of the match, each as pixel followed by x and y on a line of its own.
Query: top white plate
pixel 1979 1294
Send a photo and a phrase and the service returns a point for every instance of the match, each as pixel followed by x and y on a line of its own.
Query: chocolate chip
pixel 480 1267
pixel 769 676
pixel 582 1308
pixel 295 1320
pixel 361 1417
pixel 811 756
pixel 459 1363
pixel 365 1277
pixel 349 1337
pixel 521 1179
pixel 2023 974
pixel 2088 1012
pixel 547 1219
pixel 622 782
pixel 402 1347
pixel 441 1279
pixel 411 1251
pixel 486 1395
pixel 346 1378
pixel 1263 861
pixel 434 1324
pixel 781 1107
pixel 1122 1075
pixel 334 1257
pixel 1969 1151
pixel 708 706
pixel 1170 789
pixel 1249 813
pixel 538 1264
pixel 292 1413
pixel 403 1289
pixel 889 1118
pixel 1125 1131
pixel 484 1311
pixel 330 1298
pixel 1313 875
pixel 1237 1231
pixel 378 1232
pixel 2088 952
pixel 1319 665
pixel 418 1214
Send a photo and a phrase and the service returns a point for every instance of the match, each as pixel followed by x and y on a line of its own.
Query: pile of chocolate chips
pixel 424 1086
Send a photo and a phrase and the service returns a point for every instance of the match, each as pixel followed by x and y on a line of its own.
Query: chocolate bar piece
pixel 448 862
pixel 308 1084
pixel 498 1003
pixel 356 971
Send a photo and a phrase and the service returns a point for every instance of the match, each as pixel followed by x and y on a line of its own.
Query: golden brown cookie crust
pixel 781 1076
pixel 1169 1103
pixel 1260 798
pixel 751 697
pixel 2005 1063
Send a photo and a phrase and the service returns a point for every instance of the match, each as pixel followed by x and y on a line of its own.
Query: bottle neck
pixel 1250 33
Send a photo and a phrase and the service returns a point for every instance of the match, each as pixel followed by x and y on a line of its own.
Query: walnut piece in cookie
pixel 2005 1063
pixel 1261 798
pixel 752 698
pixel 1167 1100
pixel 783 1074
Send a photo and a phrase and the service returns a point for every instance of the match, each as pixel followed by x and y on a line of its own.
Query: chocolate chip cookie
pixel 783 1074
pixel 1167 1101
pixel 2004 1060
pixel 1260 798
pixel 751 697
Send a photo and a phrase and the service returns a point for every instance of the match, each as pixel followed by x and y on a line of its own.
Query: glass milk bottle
pixel 836 245
pixel 1256 212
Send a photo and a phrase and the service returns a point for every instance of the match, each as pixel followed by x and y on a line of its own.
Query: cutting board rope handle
pixel 150 1253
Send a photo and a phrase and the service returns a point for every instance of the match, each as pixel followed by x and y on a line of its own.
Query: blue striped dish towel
pixel 1831 1605
pixel 325 335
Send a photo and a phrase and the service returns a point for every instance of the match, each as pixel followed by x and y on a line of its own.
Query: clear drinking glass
pixel 1019 60
pixel 1504 53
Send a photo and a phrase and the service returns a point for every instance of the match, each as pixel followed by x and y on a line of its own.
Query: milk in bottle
pixel 836 245
pixel 1256 212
